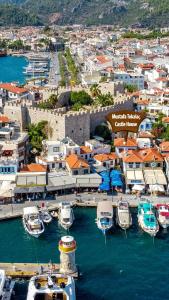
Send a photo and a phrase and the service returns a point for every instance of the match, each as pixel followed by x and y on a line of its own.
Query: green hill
pixel 151 13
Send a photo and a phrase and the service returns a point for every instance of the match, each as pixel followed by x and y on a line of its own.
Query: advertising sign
pixel 125 120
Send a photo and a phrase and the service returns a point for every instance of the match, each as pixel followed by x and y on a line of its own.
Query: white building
pixel 134 79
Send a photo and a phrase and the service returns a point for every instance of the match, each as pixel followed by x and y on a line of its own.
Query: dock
pixel 28 270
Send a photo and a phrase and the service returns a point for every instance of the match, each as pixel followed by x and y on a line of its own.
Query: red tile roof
pixel 13 88
pixel 120 142
pixel 151 155
pixel 105 157
pixel 132 156
pixel 164 146
pixel 76 162
pixel 4 119
pixel 34 168
pixel 144 155
pixel 85 150
pixel 165 119
pixel 102 59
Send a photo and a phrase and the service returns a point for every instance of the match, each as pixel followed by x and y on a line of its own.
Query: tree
pixel 104 99
pixel 80 97
pixel 130 88
pixel 95 91
pixel 37 133
pixel 50 104
pixel 103 131
pixel 159 127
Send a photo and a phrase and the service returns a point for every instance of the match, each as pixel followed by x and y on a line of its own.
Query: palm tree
pixel 105 99
pixel 95 91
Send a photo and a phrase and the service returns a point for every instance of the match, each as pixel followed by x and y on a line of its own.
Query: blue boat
pixel 147 219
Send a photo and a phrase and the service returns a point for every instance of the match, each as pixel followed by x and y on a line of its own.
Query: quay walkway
pixel 28 270
pixel 10 211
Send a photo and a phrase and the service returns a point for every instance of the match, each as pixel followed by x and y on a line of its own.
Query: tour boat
pixel 6 286
pixel 163 215
pixel 65 215
pixel 124 219
pixel 147 219
pixel 45 215
pixel 104 215
pixel 51 287
pixel 32 221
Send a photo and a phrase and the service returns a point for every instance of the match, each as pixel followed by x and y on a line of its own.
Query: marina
pixel 117 258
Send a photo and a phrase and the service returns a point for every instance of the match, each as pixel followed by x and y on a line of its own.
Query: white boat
pixel 6 286
pixel 65 215
pixel 32 221
pixel 51 287
pixel 45 215
pixel 163 215
pixel 124 219
pixel 104 215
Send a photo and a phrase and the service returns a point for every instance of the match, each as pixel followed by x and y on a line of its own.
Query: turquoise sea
pixel 11 69
pixel 133 267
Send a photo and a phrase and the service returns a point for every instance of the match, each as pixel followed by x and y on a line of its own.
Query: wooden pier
pixel 27 270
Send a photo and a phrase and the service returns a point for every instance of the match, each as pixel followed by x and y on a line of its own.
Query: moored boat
pixel 50 287
pixel 147 219
pixel 124 219
pixel 104 215
pixel 45 214
pixel 65 215
pixel 32 221
pixel 163 215
pixel 6 286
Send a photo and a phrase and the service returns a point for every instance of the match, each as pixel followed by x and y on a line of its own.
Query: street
pixel 54 73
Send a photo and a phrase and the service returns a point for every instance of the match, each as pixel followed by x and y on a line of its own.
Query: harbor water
pixel 11 69
pixel 119 267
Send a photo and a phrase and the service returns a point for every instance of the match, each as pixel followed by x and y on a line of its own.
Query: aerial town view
pixel 84 149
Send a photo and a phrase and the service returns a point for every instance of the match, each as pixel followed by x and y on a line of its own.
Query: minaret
pixel 67 248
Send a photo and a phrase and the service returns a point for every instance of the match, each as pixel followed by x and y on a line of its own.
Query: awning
pixel 138 187
pixel 156 188
pixel 155 176
pixel 134 177
pixel 33 189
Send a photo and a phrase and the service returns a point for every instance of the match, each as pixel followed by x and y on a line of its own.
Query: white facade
pixel 130 78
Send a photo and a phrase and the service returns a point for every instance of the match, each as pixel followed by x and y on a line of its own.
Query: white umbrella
pixel 156 188
pixel 138 187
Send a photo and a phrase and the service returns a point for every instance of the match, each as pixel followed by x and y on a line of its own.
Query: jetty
pixel 28 270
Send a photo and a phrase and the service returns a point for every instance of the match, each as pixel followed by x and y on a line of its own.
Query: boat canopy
pixel 33 210
pixel 104 209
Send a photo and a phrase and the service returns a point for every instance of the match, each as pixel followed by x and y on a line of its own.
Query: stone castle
pixel 77 125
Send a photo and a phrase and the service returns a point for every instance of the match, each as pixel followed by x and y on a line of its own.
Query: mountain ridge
pixel 148 13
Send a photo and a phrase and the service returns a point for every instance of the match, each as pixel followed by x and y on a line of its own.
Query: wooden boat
pixel 124 219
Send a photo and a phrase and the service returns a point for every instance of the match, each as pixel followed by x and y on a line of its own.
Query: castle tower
pixel 67 248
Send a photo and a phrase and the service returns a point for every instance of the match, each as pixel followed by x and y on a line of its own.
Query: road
pixel 54 73
pixel 84 200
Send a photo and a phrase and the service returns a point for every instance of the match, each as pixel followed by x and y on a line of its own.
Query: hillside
pixel 151 13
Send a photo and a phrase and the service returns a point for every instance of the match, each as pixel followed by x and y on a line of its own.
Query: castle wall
pixel 76 125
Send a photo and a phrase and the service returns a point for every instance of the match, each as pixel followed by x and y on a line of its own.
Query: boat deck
pixel 28 270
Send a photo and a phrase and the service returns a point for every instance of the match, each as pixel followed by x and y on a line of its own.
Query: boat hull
pixel 151 232
pixel 34 234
